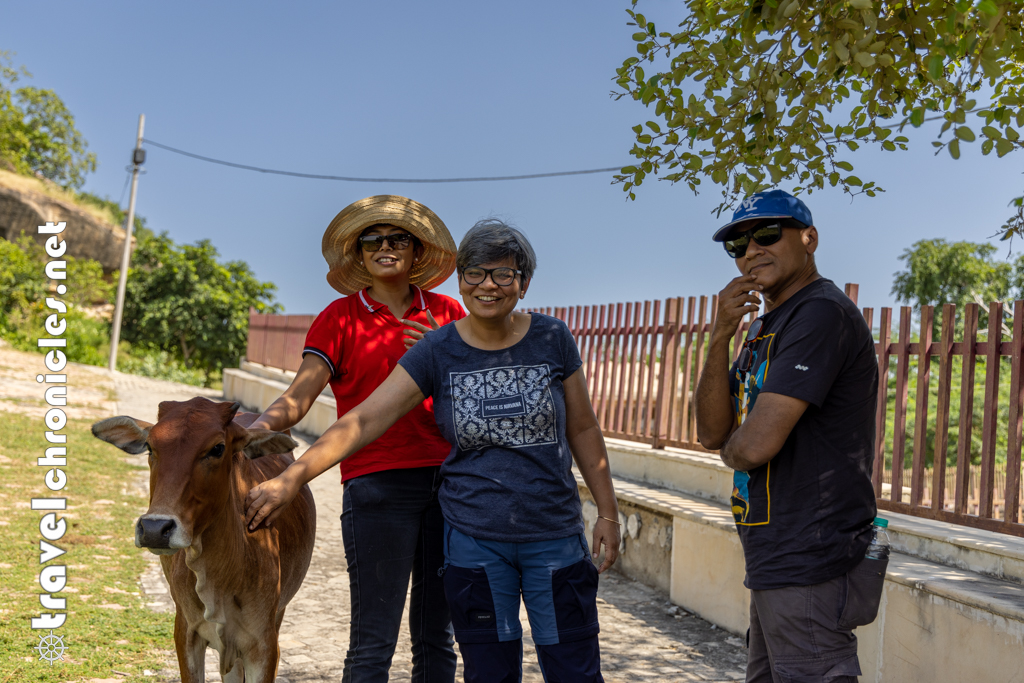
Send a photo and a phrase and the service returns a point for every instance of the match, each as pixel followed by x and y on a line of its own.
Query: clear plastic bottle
pixel 879 547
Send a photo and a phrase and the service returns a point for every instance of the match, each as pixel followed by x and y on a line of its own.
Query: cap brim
pixel 723 232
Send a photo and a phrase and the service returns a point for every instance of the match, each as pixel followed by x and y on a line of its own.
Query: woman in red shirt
pixel 385 253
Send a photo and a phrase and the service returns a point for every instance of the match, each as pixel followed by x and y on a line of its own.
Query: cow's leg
pixel 191 650
pixel 236 674
pixel 261 662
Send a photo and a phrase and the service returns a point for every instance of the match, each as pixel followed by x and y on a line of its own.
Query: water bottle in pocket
pixel 864 583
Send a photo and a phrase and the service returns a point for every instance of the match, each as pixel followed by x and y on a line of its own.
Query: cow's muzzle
pixel 161 534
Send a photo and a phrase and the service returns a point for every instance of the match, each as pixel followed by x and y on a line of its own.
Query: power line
pixel 350 179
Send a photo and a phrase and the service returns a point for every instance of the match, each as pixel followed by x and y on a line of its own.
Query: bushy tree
pixel 940 272
pixel 37 132
pixel 22 278
pixel 756 93
pixel 182 300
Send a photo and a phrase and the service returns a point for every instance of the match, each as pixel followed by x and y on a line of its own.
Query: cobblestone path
pixel 643 636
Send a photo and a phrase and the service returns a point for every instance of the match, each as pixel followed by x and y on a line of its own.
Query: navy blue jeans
pixel 392 527
pixel 558 583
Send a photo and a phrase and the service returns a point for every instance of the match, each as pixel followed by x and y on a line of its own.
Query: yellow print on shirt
pixel 748 388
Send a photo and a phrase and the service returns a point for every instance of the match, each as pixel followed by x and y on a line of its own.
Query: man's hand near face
pixel 739 298
pixel 715 416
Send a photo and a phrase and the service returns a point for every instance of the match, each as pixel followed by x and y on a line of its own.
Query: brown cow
pixel 230 586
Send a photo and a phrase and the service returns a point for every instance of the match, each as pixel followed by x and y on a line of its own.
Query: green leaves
pixel 988 7
pixel 38 133
pixel 965 133
pixel 755 95
pixel 181 299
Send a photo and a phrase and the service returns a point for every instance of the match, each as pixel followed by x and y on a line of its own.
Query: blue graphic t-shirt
pixel 508 477
pixel 805 516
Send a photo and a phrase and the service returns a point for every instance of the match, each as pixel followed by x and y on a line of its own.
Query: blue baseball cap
pixel 770 204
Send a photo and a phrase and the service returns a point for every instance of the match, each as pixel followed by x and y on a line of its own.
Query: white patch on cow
pixel 223 626
pixel 179 539
pixel 213 608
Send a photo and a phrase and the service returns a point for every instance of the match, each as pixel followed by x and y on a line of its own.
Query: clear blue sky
pixel 441 89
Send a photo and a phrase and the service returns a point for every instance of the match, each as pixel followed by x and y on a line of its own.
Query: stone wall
pixel 22 210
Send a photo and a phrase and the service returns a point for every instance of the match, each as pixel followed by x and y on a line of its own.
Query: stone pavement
pixel 643 636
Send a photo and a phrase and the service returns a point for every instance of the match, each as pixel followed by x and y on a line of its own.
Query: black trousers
pixel 393 529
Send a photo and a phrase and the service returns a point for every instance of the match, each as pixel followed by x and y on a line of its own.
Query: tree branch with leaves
pixel 744 92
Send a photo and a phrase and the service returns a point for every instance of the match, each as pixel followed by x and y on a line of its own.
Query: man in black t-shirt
pixel 795 417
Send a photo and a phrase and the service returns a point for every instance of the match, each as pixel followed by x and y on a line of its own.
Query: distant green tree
pixel 37 132
pixel 182 300
pixel 22 279
pixel 940 272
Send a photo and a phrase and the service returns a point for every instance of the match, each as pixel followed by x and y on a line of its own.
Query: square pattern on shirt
pixel 509 407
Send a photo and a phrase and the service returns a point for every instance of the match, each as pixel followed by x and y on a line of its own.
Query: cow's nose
pixel 154 533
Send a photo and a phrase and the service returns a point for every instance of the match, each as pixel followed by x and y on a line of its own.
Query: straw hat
pixel 348 275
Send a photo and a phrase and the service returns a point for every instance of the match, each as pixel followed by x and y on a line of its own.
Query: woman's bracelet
pixel 616 522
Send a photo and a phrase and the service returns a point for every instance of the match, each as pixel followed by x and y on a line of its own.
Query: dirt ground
pixel 643 636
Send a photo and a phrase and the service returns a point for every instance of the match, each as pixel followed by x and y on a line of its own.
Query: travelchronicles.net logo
pixel 52 526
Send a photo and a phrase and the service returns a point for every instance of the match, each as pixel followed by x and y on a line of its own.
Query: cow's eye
pixel 216 451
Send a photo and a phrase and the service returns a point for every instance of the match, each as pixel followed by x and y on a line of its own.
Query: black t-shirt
pixel 805 517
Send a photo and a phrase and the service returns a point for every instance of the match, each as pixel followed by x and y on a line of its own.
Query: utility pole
pixel 138 158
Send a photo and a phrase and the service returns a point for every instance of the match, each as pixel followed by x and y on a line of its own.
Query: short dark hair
pixel 491 240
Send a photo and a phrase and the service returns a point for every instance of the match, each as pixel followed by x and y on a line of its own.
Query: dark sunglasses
pixel 746 355
pixel 502 277
pixel 398 240
pixel 764 233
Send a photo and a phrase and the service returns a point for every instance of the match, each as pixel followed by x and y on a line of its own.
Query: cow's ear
pixel 164 408
pixel 260 442
pixel 228 410
pixel 125 432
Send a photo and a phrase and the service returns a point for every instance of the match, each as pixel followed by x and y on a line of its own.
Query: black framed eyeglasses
pixel 764 233
pixel 397 241
pixel 503 277
pixel 746 355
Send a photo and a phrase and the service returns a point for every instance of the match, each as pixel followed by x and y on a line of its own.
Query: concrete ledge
pixel 984 552
pixel 257 393
pixel 1000 598
pixel 953 604
pixel 698 474
pixel 954 624
pixel 703 477
pixel 276 374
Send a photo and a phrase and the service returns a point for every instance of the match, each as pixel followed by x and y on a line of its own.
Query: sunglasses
pixel 502 277
pixel 765 233
pixel 399 240
pixel 746 355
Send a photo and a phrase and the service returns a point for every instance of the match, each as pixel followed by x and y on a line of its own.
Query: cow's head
pixel 192 451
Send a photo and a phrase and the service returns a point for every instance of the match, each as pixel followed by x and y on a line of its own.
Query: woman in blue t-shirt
pixel 510 396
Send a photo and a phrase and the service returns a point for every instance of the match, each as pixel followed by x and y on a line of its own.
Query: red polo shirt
pixel 361 342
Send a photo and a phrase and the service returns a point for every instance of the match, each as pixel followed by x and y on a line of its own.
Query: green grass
pixel 103 564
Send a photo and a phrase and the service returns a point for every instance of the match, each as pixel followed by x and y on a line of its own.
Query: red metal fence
pixel 643 360
pixel 277 340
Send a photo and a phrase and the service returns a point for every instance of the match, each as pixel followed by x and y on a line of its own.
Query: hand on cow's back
pixel 268 499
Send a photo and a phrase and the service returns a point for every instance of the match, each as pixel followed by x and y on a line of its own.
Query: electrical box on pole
pixel 138 158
